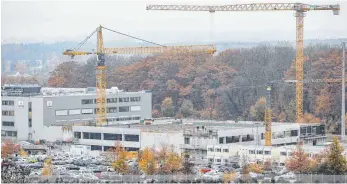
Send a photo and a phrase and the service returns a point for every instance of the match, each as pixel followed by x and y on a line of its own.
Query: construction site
pixel 263 113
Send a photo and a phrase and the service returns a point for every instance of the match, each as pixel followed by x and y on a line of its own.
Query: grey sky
pixel 50 21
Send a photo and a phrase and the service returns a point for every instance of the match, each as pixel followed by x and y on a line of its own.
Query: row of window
pixel 235 139
pixel 225 150
pixel 7 123
pixel 112 100
pixel 90 111
pixel 108 148
pixel 218 160
pixel 9 133
pixel 259 152
pixel 289 133
pixel 8 113
pixel 107 136
pixel 8 102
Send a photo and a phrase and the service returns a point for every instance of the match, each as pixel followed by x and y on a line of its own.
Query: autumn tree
pixel 299 162
pixel 173 161
pixel 256 167
pixel 8 148
pixel 120 163
pixel 229 177
pixel 309 118
pixel 336 163
pixel 47 169
pixel 257 111
pixel 167 108
pixel 147 162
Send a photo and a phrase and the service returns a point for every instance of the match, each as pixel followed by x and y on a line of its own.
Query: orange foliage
pixel 309 118
pixel 8 148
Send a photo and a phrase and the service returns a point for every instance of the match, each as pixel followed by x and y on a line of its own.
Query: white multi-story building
pixel 32 113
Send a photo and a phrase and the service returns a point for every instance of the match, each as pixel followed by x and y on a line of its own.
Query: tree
pixel 187 108
pixel 147 162
pixel 47 169
pixel 309 118
pixel 257 111
pixel 336 163
pixel 23 153
pixel 167 108
pixel 173 162
pixel 229 177
pixel 187 166
pixel 299 162
pixel 120 159
pixel 8 148
pixel 256 168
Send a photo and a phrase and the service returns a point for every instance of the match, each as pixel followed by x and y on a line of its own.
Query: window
pixel 135 108
pixel 251 152
pixel 236 138
pixel 87 111
pixel 282 164
pixel 61 112
pixel 259 152
pixel 283 153
pixel 221 140
pixel 112 100
pixel 87 101
pixel 210 149
pixel 186 140
pixel 218 150
pixel 294 133
pixel 95 147
pixel 87 135
pixel 210 160
pixel 98 110
pixel 125 99
pixel 3 133
pixel 225 160
pixel 135 99
pixel 267 152
pixel 77 135
pixel 225 150
pixel 114 137
pixel 218 160
pixel 262 136
pixel 136 118
pixel 108 148
pixel 8 113
pixel 124 109
pixel 30 122
pixel 111 109
pixel 30 107
pixel 11 133
pixel 290 153
pixel 131 137
pixel 8 102
pixel 75 112
pixel 7 123
pixel 229 139
pixel 131 149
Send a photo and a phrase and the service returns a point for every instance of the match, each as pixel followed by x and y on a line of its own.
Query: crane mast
pixel 100 80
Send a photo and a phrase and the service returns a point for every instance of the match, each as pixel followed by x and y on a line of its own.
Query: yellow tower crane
pixel 101 67
pixel 300 10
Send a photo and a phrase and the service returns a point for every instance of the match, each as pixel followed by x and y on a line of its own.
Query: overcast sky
pixel 51 21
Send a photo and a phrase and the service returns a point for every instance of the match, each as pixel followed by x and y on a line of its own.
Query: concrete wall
pixel 157 139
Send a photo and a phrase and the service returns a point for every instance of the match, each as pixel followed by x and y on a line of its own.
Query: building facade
pixel 32 113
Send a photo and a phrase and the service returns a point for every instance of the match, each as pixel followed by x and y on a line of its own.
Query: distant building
pixel 32 113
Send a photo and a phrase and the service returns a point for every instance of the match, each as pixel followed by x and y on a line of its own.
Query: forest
pixel 229 85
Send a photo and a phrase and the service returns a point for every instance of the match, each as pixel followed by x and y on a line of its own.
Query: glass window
pixel 259 152
pixel 132 138
pixel 87 101
pixel 115 137
pixel 131 149
pixel 186 140
pixel 108 148
pixel 210 149
pixel 111 109
pixel 225 160
pixel 77 135
pixel 135 99
pixel 8 113
pixel 251 152
pixel 87 135
pixel 283 153
pixel 61 112
pixel 87 111
pixel 218 160
pixel 267 152
pixel 294 133
pixel 124 109
pixel 74 111
pixel 210 159
pixel 218 150
pixel 112 100
pixel 7 123
pixel 135 108
pixel 95 147
pixel 225 150
pixel 8 102
pixel 136 118
pixel 30 122
pixel 228 140
pixel 221 140
pixel 124 99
